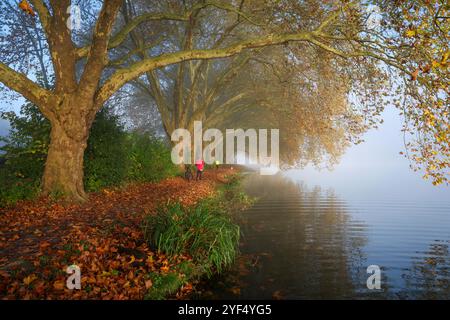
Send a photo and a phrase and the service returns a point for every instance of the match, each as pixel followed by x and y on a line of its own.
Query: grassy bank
pixel 206 236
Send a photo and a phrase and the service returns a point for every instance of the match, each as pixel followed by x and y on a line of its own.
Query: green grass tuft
pixel 206 234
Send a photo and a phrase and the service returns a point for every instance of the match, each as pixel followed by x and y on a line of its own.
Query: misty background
pixel 373 169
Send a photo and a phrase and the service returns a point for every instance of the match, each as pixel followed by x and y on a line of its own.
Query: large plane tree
pixel 410 41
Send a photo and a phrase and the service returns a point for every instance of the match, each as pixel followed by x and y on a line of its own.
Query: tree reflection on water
pixel 297 243
pixel 428 278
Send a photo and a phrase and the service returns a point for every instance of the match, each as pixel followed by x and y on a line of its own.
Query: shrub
pixel 112 156
pixel 149 159
pixel 106 155
pixel 205 233
pixel 24 152
pixel 14 188
pixel 25 149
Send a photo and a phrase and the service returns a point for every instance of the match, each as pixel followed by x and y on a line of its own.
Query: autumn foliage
pixel 104 237
pixel 25 6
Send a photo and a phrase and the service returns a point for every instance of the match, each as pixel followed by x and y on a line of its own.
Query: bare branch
pixel 120 37
pixel 44 15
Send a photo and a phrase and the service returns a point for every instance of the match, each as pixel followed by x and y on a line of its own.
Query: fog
pixel 371 170
pixel 375 169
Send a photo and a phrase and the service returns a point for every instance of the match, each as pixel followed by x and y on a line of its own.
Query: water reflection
pixel 429 276
pixel 308 243
pixel 297 243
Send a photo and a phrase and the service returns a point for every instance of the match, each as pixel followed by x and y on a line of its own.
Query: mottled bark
pixel 63 174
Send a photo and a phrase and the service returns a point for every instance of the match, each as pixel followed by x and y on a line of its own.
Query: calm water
pixel 302 242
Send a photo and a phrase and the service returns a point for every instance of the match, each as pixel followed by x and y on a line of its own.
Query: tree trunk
pixel 63 174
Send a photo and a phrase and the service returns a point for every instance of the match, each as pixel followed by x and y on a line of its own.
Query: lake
pixel 308 241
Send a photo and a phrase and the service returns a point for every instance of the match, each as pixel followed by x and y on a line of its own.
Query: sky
pixel 4 127
pixel 8 106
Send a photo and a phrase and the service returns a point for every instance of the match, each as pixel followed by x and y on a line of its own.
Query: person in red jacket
pixel 200 165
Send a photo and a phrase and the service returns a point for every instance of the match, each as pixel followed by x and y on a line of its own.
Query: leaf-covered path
pixel 39 239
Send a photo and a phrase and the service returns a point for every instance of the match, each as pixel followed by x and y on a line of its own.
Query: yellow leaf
pixel 445 58
pixel 410 33
pixel 435 64
pixel 149 261
pixel 29 279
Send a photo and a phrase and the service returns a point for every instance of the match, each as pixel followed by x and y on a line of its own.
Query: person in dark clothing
pixel 188 172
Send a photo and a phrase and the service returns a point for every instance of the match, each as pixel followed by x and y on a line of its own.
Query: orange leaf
pixel 187 287
pixel 148 284
pixel 25 6
pixel 58 285
pixel 414 75
pixel 40 287
pixel 236 291
pixel 277 295
pixel 44 244
pixel 165 269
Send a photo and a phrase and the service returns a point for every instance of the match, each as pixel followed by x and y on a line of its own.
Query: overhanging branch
pixel 121 77
pixel 30 90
